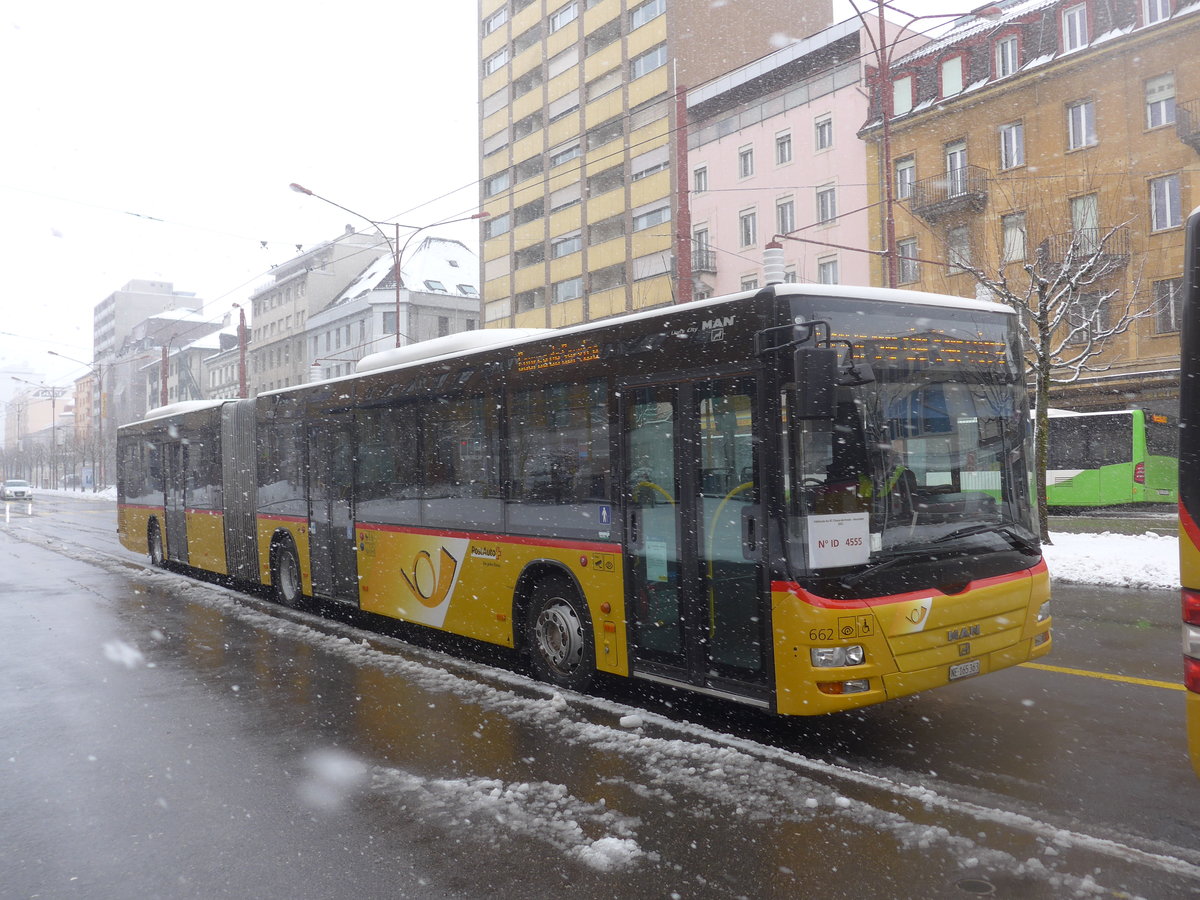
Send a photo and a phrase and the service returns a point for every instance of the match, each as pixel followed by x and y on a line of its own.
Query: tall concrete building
pixel 117 315
pixel 583 148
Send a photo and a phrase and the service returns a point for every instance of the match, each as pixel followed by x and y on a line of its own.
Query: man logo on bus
pixel 429 583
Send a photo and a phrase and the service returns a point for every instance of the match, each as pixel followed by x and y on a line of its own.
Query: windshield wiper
pixel 1015 537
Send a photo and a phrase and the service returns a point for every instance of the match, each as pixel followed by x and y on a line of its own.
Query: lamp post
pixel 883 52
pixel 97 369
pixel 242 390
pixel 393 245
pixel 53 427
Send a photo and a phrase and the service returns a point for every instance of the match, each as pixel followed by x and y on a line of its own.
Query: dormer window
pixel 453 262
pixel 1074 27
pixel 1007 58
pixel 902 95
pixel 952 76
pixel 468 290
pixel 435 287
pixel 1155 11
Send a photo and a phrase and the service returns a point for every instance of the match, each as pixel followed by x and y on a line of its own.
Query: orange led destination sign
pixel 558 356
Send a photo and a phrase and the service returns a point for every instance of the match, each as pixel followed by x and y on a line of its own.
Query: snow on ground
pixel 1124 560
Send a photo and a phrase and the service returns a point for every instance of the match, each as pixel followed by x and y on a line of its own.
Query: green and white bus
pixel 1112 458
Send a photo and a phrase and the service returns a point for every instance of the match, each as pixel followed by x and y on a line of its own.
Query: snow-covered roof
pixel 437 266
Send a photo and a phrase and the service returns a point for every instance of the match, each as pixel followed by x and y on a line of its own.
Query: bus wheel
pixel 559 635
pixel 154 544
pixel 285 574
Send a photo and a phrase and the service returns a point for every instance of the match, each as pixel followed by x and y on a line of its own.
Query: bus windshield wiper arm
pixel 1014 536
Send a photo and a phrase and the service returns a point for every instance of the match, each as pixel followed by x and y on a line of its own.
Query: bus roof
pixel 179 408
pixel 490 338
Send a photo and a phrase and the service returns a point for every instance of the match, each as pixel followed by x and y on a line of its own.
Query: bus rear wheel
pixel 559 635
pixel 285 574
pixel 154 544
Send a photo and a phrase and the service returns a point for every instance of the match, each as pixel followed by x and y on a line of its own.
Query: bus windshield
pixel 930 454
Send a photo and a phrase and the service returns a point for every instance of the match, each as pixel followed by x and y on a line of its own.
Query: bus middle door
pixel 330 518
pixel 175 509
pixel 694 535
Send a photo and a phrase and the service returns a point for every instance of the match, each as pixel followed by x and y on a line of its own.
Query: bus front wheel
pixel 154 544
pixel 285 575
pixel 559 635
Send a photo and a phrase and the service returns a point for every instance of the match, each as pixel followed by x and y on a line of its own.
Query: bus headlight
pixel 1044 611
pixel 832 657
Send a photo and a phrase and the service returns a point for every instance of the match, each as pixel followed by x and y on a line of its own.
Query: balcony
pixel 959 190
pixel 1077 246
pixel 1187 123
pixel 704 260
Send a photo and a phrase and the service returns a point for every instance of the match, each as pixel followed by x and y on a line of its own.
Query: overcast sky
pixel 154 140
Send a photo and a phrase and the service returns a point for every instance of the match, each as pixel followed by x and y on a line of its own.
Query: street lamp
pixel 97 369
pixel 53 427
pixel 394 246
pixel 883 50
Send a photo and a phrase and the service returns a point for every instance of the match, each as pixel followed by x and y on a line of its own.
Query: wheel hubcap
pixel 560 636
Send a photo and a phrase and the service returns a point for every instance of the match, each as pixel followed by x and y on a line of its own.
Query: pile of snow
pixel 1124 560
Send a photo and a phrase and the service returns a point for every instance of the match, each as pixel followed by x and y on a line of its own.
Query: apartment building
pixel 298 289
pixel 773 150
pixel 1048 128
pixel 582 149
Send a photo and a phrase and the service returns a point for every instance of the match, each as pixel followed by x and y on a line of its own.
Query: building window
pixel 906 177
pixel 906 252
pixel 902 95
pixel 1081 124
pixel 571 289
pixel 497 183
pixel 823 136
pixel 958 247
pixel 956 168
pixel 1160 101
pixel 1007 60
pixel 746 162
pixel 565 155
pixel 827 270
pixel 749 283
pixel 952 76
pixel 529 256
pixel 566 245
pixel 1165 208
pixel 443 327
pixel 1155 11
pixel 826 204
pixel 785 216
pixel 527 300
pixel 640 15
pixel 607 278
pixel 748 228
pixel 783 148
pixel 496 61
pixel 1012 145
pixel 1013 226
pixel 495 20
pixel 651 218
pixel 700 180
pixel 1168 297
pixel 497 225
pixel 564 16
pixel 1074 27
pixel 648 61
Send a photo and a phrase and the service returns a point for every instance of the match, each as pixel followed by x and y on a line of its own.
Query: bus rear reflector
pixel 1191 674
pixel 1191 606
pixel 1139 473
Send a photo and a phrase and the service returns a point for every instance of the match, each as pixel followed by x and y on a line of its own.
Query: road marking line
pixel 1169 685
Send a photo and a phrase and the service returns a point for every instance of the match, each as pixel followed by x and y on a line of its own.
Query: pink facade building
pixel 773 150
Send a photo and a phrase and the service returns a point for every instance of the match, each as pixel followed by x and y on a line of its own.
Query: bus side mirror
pixel 815 370
pixel 858 374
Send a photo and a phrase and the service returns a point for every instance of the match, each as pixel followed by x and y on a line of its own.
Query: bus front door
pixel 694 535
pixel 330 519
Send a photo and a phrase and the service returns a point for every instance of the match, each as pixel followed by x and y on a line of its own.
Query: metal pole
pixel 888 102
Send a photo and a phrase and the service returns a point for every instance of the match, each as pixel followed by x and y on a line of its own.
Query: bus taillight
pixel 1191 607
pixel 1139 473
pixel 1191 640
pixel 1191 668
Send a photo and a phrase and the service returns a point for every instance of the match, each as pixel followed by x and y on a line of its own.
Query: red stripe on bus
pixel 588 546
pixel 272 517
pixel 1189 526
pixel 790 587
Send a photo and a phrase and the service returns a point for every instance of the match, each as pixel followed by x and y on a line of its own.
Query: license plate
pixel 964 670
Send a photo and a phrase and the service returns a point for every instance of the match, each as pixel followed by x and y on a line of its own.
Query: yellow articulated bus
pixel 1189 481
pixel 806 498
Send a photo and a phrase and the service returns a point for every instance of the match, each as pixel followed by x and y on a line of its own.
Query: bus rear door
pixel 330 518
pixel 694 535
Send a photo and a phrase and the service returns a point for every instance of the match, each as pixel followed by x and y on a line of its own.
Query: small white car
pixel 16 489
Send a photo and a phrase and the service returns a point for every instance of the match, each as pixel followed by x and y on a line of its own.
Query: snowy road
pixel 165 737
